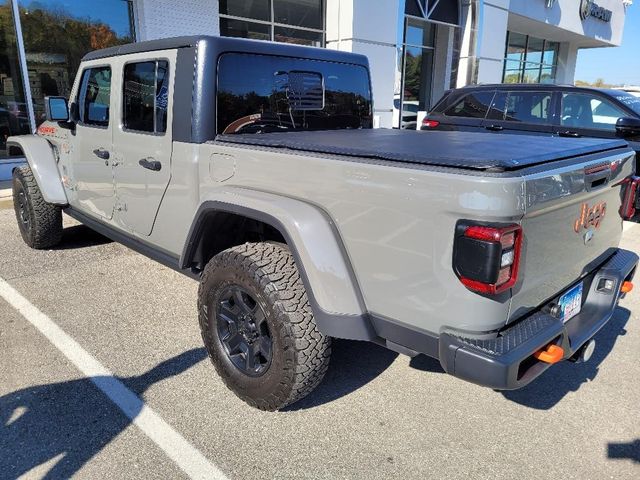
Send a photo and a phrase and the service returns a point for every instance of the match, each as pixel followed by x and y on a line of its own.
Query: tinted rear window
pixel 472 105
pixel 260 93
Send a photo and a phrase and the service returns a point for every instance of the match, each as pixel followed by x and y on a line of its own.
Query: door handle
pixel 570 134
pixel 150 164
pixel 101 153
pixel 494 128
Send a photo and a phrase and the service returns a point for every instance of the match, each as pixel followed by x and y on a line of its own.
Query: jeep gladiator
pixel 253 168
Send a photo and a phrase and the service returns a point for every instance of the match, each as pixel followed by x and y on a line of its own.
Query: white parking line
pixel 175 446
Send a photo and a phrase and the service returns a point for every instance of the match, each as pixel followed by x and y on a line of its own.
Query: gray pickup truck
pixel 253 168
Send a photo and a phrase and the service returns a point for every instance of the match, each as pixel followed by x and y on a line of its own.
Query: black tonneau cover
pixel 478 151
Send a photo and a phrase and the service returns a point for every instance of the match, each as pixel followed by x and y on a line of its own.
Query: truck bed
pixel 468 150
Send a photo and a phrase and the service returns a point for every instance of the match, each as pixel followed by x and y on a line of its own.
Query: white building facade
pixel 417 49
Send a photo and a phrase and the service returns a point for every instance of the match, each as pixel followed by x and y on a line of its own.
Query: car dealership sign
pixel 589 8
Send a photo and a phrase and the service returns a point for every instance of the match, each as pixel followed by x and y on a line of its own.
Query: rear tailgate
pixel 571 224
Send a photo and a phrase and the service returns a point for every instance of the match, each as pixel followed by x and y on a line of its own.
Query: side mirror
pixel 628 126
pixel 56 109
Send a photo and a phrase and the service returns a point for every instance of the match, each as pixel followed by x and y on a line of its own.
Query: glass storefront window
pixel 417 53
pixel 258 9
pixel 529 59
pixel 301 13
pixel 420 33
pixel 241 28
pixel 289 21
pixel 57 35
pixel 299 37
pixel 14 119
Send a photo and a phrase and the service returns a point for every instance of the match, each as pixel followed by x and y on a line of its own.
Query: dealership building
pixel 417 49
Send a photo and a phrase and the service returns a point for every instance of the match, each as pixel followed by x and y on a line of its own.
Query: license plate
pixel 571 303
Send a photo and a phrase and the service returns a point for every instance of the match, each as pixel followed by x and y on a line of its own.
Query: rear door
pixel 464 112
pixel 142 139
pixel 521 111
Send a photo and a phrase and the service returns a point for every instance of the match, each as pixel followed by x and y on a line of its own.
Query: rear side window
pixel 145 96
pixel 95 96
pixel 525 107
pixel 260 93
pixel 472 105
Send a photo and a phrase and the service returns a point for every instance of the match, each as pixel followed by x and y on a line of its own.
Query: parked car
pixel 540 109
pixel 410 110
pixel 499 259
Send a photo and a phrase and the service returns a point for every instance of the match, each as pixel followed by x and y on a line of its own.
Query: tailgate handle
pixel 597 179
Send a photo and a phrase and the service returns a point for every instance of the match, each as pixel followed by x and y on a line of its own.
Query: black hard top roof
pixel 229 44
pixel 467 150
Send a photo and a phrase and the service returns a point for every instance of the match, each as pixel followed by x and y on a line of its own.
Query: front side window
pixel 95 96
pixel 145 96
pixel 525 107
pixel 582 110
pixel 260 93
pixel 473 105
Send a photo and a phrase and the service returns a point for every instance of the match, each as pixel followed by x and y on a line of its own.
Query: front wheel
pixel 40 223
pixel 258 328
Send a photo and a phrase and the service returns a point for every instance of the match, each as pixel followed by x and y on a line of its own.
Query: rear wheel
pixel 258 327
pixel 40 223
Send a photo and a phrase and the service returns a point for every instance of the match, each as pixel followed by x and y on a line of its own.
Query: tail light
pixel 426 123
pixel 631 200
pixel 486 258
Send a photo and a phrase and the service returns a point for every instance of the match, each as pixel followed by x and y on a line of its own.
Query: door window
pixel 473 105
pixel 583 110
pixel 145 96
pixel 95 95
pixel 524 107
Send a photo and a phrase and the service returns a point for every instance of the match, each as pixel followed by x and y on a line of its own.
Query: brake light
pixel 630 201
pixel 430 123
pixel 486 258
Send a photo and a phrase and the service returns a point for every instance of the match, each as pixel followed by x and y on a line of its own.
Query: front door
pixel 584 114
pixel 92 155
pixel 143 138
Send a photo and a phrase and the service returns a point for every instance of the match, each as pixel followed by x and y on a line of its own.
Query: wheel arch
pixel 325 269
pixel 42 161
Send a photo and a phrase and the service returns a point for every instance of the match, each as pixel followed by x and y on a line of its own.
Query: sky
pixel 617 65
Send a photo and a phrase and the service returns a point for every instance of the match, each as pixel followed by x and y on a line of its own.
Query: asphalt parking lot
pixel 127 324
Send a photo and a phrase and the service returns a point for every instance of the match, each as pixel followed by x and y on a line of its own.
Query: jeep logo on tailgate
pixel 590 216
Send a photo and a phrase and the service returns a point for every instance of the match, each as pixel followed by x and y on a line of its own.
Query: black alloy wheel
pixel 243 331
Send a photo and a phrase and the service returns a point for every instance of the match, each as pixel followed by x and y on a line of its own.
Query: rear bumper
pixel 506 362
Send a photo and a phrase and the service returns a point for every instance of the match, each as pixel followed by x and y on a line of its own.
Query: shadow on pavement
pixel 71 418
pixel 624 451
pixel 552 386
pixel 80 236
pixel 353 365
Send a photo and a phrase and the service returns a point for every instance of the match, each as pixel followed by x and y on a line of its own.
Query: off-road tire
pixel 40 223
pixel 300 352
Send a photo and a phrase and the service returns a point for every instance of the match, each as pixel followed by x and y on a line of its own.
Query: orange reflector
pixel 550 354
pixel 626 287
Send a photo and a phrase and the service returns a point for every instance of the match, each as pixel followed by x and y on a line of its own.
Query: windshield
pixel 629 100
pixel 260 93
